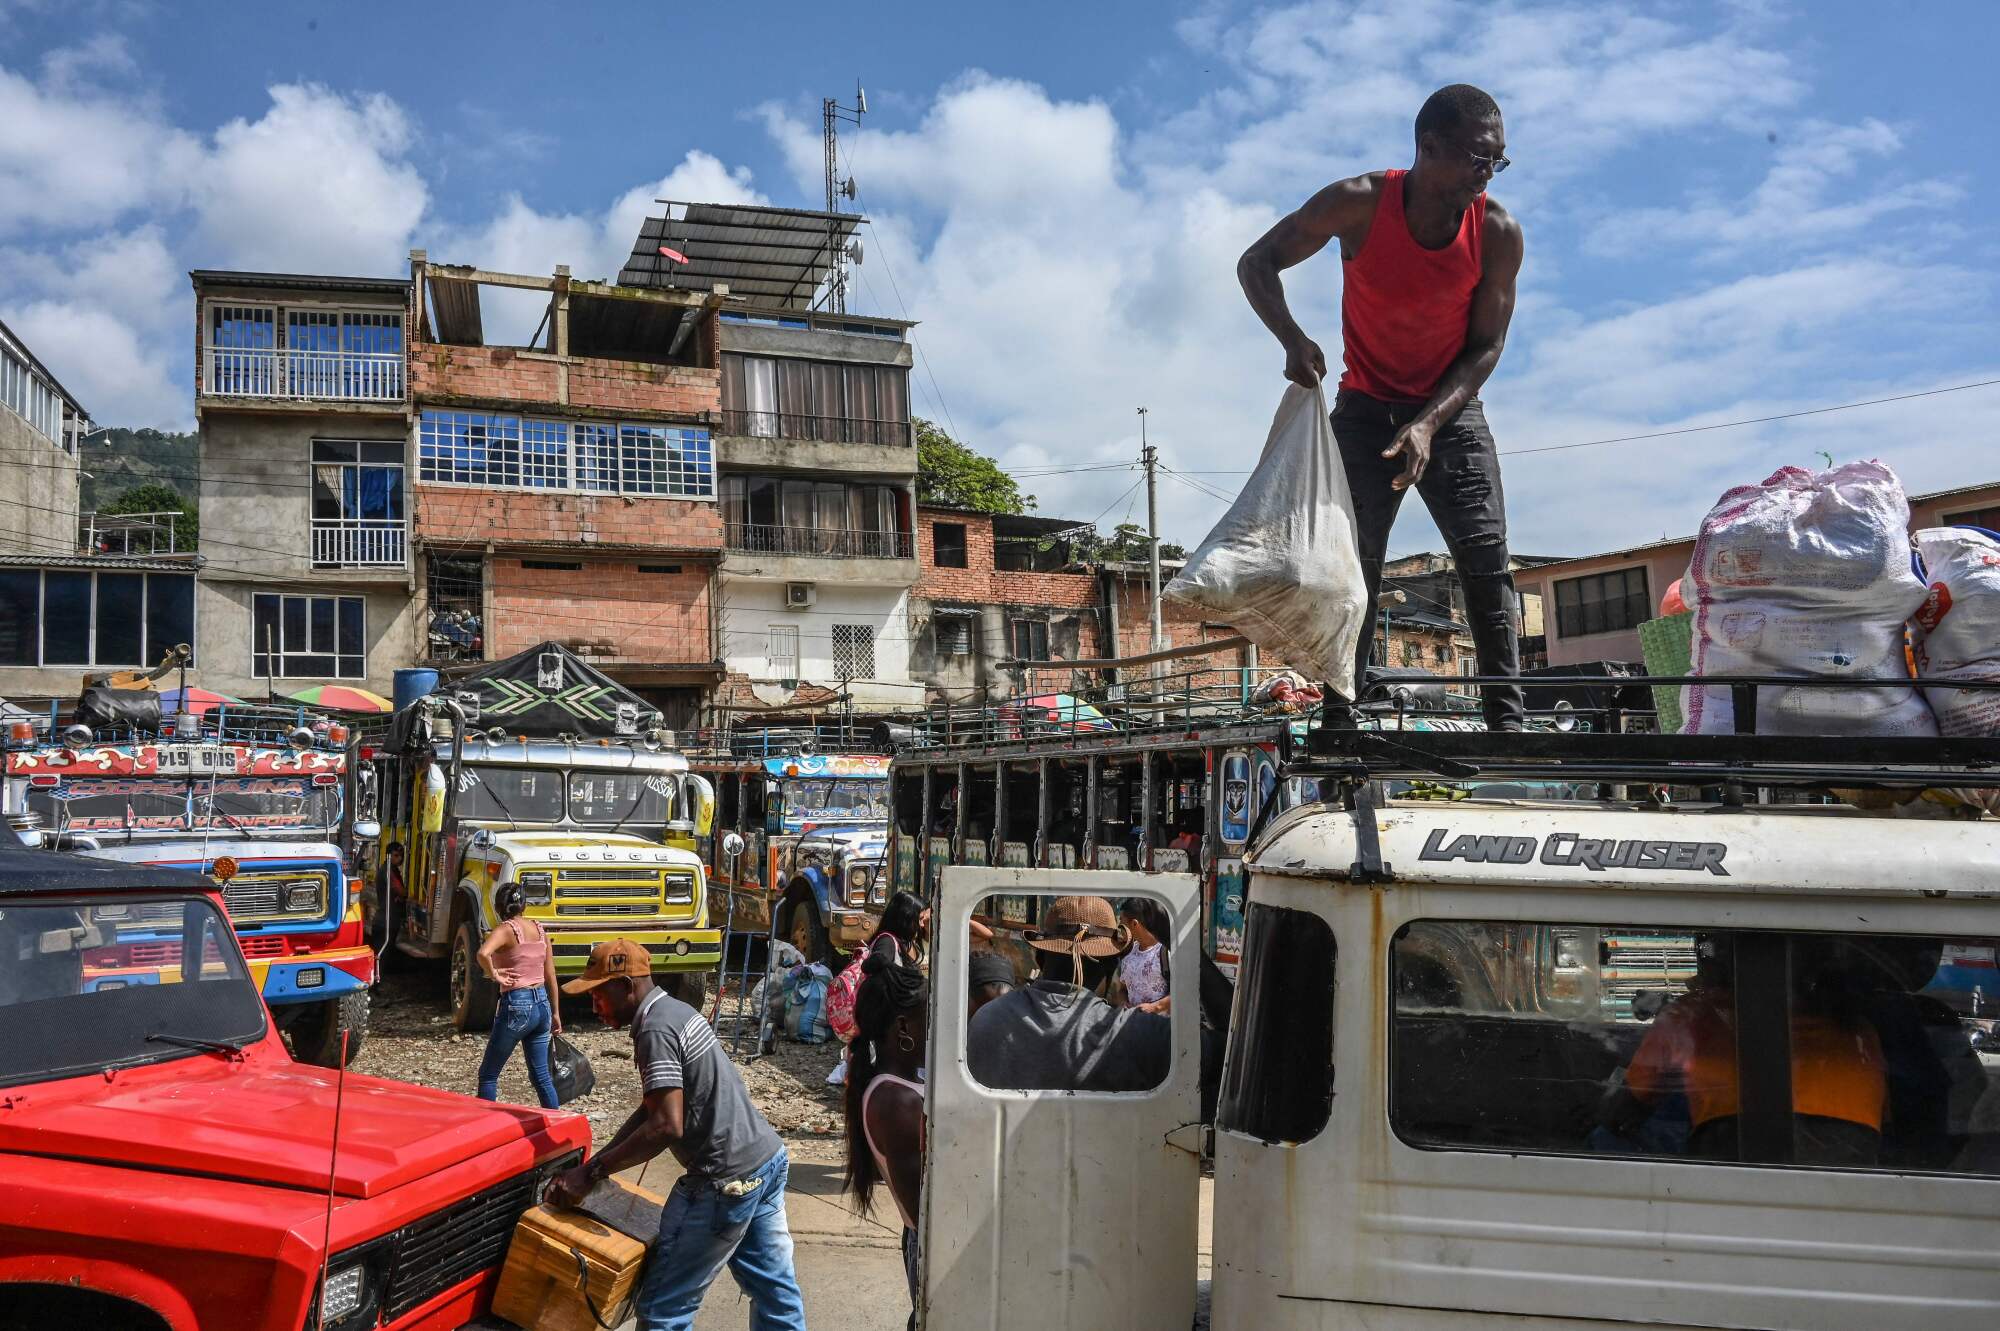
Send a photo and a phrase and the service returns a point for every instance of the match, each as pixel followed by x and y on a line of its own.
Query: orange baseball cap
pixel 621 958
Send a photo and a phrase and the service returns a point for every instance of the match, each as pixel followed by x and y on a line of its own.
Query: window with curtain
pixel 792 398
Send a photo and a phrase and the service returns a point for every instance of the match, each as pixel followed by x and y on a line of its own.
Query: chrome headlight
pixel 680 888
pixel 858 878
pixel 537 886
pixel 303 897
pixel 343 1292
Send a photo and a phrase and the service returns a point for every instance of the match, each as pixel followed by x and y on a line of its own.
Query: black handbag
pixel 570 1069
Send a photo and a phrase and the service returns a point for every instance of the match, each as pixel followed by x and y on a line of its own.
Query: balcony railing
pixel 817 542
pixel 131 534
pixel 830 429
pixel 360 542
pixel 325 376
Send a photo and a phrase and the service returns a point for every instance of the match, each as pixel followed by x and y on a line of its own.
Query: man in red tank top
pixel 1428 264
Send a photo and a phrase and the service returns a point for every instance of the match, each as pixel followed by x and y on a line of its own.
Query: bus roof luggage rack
pixel 1859 762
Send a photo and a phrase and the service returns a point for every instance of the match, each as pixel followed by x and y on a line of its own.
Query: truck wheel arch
pixel 89 1293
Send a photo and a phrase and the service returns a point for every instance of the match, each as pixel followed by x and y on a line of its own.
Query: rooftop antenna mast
pixel 837 188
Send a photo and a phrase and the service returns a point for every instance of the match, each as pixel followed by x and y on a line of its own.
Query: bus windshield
pixel 510 794
pixel 183 804
pixel 823 800
pixel 611 798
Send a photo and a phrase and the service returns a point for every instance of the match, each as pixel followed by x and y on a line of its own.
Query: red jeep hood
pixel 263 1123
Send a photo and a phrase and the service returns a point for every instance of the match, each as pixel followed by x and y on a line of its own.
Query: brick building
pixel 566 487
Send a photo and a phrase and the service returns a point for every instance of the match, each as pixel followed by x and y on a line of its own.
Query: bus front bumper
pixel 673 948
pixel 312 977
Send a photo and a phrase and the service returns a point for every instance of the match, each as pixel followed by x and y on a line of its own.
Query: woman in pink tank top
pixel 885 1096
pixel 516 957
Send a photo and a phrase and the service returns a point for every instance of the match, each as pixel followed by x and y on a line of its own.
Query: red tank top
pixel 1403 308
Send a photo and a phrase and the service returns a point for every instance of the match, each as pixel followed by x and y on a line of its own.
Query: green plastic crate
pixel 1669 647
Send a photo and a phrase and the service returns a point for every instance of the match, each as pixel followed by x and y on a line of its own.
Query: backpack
pixel 840 995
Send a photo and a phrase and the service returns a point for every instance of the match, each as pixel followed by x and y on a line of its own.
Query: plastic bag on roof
pixel 1808 573
pixel 1282 566
pixel 1955 634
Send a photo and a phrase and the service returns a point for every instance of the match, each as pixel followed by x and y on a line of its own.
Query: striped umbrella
pixel 196 701
pixel 342 698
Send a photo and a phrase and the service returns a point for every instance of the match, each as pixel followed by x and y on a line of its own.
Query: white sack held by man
pixel 1282 567
pixel 1808 573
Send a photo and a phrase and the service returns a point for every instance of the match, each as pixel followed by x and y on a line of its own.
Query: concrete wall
pixel 223 621
pixel 38 491
pixel 256 496
pixel 749 608
pixel 801 344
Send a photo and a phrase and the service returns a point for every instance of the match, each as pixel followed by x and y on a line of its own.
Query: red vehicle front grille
pixel 264 947
pixel 153 954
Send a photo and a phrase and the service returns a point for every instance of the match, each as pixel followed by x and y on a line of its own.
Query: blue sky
pixel 1732 210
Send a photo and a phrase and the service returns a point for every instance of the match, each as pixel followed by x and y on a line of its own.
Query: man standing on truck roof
pixel 729 1207
pixel 1428 264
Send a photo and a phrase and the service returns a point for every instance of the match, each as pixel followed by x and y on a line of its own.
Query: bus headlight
pixel 680 888
pixel 858 876
pixel 302 897
pixel 538 887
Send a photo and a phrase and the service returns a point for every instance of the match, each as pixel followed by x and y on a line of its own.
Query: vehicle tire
pixel 691 987
pixel 473 996
pixel 804 929
pixel 315 1035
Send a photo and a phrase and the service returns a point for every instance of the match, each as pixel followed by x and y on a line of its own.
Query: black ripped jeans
pixel 1461 488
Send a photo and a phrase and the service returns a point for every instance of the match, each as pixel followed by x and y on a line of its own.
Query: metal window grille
pixel 666 460
pixel 954 635
pixel 545 455
pixel 1031 639
pixel 469 448
pixel 781 651
pixel 596 456
pixel 854 651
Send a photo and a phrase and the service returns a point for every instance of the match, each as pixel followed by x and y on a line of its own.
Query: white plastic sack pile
pixel 1282 567
pixel 1807 574
pixel 1956 632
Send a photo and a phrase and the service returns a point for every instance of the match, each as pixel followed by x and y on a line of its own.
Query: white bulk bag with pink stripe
pixel 1808 573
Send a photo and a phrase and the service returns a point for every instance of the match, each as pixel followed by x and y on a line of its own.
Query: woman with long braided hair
pixel 885 1097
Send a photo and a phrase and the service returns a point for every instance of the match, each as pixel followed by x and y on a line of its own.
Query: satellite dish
pixel 854 252
pixel 847 187
pixel 860 99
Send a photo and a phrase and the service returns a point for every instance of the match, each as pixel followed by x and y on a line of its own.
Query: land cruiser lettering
pixel 1570 850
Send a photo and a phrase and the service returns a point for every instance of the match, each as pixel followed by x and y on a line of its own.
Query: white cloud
pixel 119 376
pixel 76 158
pixel 316 184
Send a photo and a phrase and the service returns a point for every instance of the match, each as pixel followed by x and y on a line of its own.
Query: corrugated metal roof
pixel 775 256
pixel 107 563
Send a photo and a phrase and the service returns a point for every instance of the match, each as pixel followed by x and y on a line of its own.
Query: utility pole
pixel 1151 459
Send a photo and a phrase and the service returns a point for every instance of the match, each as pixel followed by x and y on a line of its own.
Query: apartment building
pixel 41 432
pixel 1597 602
pixel 815 459
pixel 564 480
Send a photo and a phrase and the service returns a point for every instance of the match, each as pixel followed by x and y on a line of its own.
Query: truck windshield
pixel 181 804
pixel 510 794
pixel 818 800
pixel 610 798
pixel 95 982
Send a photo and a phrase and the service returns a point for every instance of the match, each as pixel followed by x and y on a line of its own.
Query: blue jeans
pixel 522 1018
pixel 702 1229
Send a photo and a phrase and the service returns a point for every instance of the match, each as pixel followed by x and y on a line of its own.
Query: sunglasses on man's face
pixel 1494 164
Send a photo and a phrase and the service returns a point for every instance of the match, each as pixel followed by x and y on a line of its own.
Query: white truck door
pixel 1050 1210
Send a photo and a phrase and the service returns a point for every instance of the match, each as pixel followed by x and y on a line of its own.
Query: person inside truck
pixel 1689 1057
pixel 988 976
pixel 1428 268
pixel 728 1208
pixel 885 1097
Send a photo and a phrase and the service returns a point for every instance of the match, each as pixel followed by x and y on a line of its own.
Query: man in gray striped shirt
pixel 728 1209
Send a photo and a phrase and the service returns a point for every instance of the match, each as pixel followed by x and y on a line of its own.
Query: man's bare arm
pixel 1343 209
pixel 1485 337
pixel 654 1126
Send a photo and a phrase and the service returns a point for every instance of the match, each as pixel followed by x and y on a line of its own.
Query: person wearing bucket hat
pixel 1057 1033
pixel 729 1207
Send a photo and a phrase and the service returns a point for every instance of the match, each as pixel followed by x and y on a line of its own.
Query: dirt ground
pixel 410 1038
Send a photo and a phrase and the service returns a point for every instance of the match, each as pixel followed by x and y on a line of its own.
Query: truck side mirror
pixel 732 846
pixel 701 804
pixel 367 829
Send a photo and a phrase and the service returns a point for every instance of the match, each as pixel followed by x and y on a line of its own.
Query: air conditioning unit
pixel 799 595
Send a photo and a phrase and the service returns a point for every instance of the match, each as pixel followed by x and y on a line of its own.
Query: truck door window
pixel 1279 1083
pixel 1637 1041
pixel 1047 1032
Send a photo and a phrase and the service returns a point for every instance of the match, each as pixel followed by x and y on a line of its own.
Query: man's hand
pixel 1413 442
pixel 569 1188
pixel 1305 363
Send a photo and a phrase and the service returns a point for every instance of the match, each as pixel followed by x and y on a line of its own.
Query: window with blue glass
pixel 512 452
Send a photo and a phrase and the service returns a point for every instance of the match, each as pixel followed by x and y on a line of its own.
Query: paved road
pixel 849 1266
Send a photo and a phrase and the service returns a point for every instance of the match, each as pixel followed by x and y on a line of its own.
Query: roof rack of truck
pixel 1742 759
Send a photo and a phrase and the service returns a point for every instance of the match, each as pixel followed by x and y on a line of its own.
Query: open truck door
pixel 1048 1209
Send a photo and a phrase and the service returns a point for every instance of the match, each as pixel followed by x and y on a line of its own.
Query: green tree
pixel 156 497
pixel 1126 544
pixel 950 473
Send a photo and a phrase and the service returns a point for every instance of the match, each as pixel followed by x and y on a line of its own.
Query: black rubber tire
pixel 315 1033
pixel 691 987
pixel 808 934
pixel 473 997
